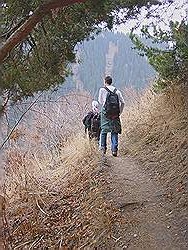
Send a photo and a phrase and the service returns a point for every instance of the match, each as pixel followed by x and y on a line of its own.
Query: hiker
pixel 92 122
pixel 112 103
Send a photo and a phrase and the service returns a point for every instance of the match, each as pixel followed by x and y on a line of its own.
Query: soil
pixel 146 219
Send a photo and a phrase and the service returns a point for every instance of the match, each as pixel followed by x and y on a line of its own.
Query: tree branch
pixel 19 120
pixel 23 31
pixel 13 29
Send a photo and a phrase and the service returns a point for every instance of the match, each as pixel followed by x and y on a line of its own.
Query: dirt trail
pixel 145 221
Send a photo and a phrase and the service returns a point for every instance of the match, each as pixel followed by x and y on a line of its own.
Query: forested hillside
pixel 110 53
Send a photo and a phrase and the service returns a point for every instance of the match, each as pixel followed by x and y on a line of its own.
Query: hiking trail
pixel 146 218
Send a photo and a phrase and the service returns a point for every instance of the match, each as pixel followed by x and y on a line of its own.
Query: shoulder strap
pixel 107 89
pixel 114 90
pixel 110 90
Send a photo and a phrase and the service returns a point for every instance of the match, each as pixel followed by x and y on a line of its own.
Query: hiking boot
pixel 114 153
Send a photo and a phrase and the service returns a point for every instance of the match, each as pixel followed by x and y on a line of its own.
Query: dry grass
pixel 156 132
pixel 54 187
pixel 55 206
pixel 47 124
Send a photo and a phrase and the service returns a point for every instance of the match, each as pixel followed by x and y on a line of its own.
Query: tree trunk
pixel 22 32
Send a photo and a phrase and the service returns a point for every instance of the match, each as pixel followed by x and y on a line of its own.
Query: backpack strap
pixel 114 91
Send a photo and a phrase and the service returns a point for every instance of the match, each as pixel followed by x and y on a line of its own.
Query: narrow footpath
pixel 145 214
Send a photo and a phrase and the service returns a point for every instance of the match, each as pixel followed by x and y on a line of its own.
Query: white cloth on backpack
pixel 103 94
pixel 95 106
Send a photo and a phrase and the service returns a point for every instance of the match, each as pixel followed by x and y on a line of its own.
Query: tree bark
pixel 23 31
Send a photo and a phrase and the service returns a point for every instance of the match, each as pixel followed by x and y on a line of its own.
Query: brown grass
pixel 58 206
pixel 156 133
pixel 54 187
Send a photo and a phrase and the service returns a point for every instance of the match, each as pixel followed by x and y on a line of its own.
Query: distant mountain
pixel 109 54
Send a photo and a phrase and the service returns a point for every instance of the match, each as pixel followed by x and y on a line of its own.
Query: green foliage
pixel 42 60
pixel 127 68
pixel 171 62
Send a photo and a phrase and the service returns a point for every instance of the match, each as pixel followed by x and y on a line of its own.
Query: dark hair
pixel 108 80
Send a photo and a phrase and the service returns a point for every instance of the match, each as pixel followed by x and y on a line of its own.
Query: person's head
pixel 108 80
pixel 95 106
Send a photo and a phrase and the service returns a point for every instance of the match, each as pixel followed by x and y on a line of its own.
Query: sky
pixel 176 12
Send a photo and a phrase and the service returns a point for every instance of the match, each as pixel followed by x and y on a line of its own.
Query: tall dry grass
pixel 44 128
pixel 53 188
pixel 156 133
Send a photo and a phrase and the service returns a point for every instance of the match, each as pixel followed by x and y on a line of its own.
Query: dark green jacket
pixel 108 125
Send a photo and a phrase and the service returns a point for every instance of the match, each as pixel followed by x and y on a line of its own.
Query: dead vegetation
pixel 156 133
pixel 54 187
pixel 61 206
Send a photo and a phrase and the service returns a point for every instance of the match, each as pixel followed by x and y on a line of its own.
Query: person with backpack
pixel 92 122
pixel 112 103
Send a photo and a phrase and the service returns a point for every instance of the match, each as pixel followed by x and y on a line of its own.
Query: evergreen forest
pixel 110 53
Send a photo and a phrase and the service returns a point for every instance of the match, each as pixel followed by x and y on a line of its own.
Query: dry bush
pixel 48 122
pixel 60 206
pixel 156 132
pixel 44 128
pixel 53 188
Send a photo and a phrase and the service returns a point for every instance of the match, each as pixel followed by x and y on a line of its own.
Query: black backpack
pixel 92 124
pixel 95 123
pixel 111 105
pixel 87 120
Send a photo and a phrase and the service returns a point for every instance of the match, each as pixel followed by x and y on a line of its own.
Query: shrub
pixel 171 60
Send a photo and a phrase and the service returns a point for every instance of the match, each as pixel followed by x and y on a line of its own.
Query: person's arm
pixel 122 102
pixel 100 100
pixel 122 107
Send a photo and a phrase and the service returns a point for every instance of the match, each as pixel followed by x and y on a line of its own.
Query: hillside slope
pixel 156 134
pixel 68 197
pixel 109 53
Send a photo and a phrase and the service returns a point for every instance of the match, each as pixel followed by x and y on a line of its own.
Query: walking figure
pixel 92 122
pixel 112 103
